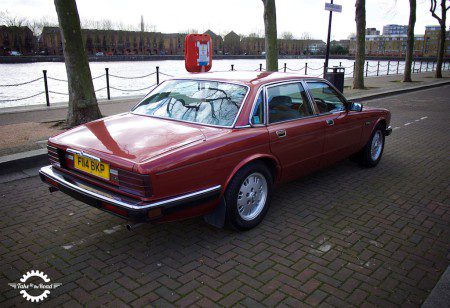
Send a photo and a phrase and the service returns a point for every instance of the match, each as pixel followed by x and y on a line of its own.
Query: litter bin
pixel 335 75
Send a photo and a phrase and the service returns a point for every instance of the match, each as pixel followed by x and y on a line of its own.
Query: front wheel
pixel 373 150
pixel 248 196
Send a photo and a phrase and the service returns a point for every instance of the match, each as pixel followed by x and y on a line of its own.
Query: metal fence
pixel 378 69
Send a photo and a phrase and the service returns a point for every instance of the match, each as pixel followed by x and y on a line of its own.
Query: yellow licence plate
pixel 91 166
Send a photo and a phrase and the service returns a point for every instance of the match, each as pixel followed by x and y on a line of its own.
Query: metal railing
pixel 378 69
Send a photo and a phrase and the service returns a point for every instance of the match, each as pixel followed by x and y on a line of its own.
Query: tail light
pixel 134 183
pixel 54 155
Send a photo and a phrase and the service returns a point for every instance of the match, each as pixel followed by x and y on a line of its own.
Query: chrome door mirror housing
pixel 355 106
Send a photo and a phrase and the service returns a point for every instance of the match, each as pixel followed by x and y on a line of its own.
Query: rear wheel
pixel 373 150
pixel 248 196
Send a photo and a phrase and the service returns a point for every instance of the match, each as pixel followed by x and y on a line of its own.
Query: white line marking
pixel 417 120
pixel 423 118
pixel 406 124
pixel 92 236
pixel 396 128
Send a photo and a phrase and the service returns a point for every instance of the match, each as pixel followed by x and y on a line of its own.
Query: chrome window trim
pixel 50 173
pixel 199 123
pixel 278 83
pixel 260 90
pixel 339 94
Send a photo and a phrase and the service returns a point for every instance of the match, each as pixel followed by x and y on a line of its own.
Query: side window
pixel 258 112
pixel 287 102
pixel 325 97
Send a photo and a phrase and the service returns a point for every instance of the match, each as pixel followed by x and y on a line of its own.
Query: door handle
pixel 330 122
pixel 281 133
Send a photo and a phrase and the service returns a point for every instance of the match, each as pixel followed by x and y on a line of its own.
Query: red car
pixel 213 144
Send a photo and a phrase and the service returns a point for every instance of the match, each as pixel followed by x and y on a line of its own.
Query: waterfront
pixel 19 73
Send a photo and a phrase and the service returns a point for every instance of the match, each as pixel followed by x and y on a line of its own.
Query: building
pixel 252 45
pixel 425 45
pixel 217 42
pixel 395 30
pixel 18 39
pixel 372 31
pixel 231 44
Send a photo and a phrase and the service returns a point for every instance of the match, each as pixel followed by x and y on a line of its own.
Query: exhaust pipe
pixel 131 227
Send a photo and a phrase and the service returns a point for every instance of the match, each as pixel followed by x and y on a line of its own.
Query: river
pixel 57 85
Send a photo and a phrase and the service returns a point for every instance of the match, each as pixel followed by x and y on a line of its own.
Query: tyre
pixel 373 150
pixel 248 196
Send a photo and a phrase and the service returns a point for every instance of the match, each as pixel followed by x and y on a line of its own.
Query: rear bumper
pixel 127 208
pixel 388 131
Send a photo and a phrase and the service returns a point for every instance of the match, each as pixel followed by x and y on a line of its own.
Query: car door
pixel 343 128
pixel 296 135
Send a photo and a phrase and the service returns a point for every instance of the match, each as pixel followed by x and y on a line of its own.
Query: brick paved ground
pixel 343 236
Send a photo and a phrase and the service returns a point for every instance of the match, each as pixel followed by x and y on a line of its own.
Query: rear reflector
pixel 51 182
pixel 114 209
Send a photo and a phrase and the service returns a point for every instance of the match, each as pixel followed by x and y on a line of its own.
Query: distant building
pixel 217 42
pixel 395 30
pixel 231 43
pixel 16 39
pixel 431 41
pixel 372 31
pixel 252 45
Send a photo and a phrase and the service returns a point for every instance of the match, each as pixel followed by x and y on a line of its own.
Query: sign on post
pixel 333 7
pixel 197 49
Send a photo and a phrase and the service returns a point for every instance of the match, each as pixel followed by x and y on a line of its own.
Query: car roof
pixel 246 77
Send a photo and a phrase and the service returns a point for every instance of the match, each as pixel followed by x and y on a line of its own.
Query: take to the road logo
pixel 42 287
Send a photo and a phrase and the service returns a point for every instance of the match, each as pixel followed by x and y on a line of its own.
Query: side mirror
pixel 355 106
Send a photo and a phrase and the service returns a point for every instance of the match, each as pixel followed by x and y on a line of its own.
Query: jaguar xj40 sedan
pixel 213 144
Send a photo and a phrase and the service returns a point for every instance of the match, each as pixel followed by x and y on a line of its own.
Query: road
pixel 342 236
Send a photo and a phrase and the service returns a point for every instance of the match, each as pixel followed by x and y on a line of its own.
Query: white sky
pixel 242 16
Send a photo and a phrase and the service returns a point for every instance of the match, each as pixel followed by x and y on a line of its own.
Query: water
pixel 23 72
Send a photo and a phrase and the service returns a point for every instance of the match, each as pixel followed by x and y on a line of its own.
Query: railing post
pixel 107 83
pixel 157 75
pixel 414 66
pixel 389 65
pixel 367 67
pixel 340 64
pixel 398 64
pixel 354 68
pixel 285 67
pixel 433 67
pixel 306 68
pixel 426 70
pixel 232 67
pixel 47 99
pixel 420 67
pixel 260 67
pixel 378 68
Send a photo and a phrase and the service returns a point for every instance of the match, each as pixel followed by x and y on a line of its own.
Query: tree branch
pixel 433 5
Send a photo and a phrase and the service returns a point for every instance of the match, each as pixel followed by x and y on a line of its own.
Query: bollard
pixel 354 68
pixel 433 67
pixel 420 67
pixel 285 67
pixel 414 66
pixel 260 67
pixel 232 67
pixel 367 67
pixel 426 70
pixel 398 64
pixel 340 64
pixel 378 68
pixel 157 75
pixel 306 68
pixel 389 64
pixel 107 83
pixel 46 87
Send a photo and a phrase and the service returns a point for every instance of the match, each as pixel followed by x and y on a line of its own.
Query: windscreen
pixel 206 102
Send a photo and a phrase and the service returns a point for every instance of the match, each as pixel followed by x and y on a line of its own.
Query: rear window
pixel 198 101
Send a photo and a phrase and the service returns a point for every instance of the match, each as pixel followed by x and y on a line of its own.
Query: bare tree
pixel 270 29
pixel 10 20
pixel 306 36
pixel 83 105
pixel 441 20
pixel 287 35
pixel 360 18
pixel 410 42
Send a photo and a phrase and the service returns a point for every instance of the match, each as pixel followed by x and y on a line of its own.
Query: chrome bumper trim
pixel 111 198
